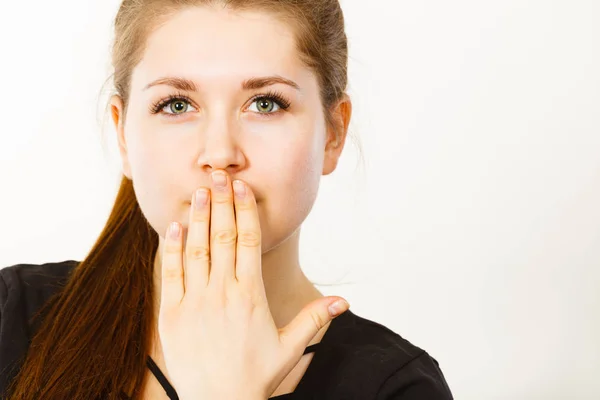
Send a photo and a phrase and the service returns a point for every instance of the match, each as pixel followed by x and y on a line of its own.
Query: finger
pixel 223 232
pixel 172 268
pixel 301 330
pixel 248 250
pixel 197 246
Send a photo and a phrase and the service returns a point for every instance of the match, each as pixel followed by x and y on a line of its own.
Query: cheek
pixel 152 165
pixel 293 166
pixel 154 154
pixel 293 183
pixel 155 189
pixel 157 181
pixel 303 171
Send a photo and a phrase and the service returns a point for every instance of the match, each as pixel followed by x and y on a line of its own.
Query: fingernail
pixel 174 230
pixel 219 179
pixel 338 307
pixel 200 198
pixel 239 189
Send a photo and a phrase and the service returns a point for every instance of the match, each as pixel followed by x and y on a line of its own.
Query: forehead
pixel 220 45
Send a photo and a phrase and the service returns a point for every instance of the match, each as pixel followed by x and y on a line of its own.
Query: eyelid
pixel 278 97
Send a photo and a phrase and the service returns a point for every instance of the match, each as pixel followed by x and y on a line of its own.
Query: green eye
pixel 172 106
pixel 265 105
pixel 178 107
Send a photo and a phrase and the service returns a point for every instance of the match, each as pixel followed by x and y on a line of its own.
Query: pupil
pixel 264 103
pixel 179 106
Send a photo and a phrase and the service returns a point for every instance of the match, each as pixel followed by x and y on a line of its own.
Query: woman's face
pixel 216 64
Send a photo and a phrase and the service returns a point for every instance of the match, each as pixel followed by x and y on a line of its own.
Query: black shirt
pixel 356 358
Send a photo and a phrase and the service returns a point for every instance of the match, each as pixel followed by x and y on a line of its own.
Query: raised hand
pixel 218 336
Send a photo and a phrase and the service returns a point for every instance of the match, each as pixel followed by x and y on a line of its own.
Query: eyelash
pixel 277 97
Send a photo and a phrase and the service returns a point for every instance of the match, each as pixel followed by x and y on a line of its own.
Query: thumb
pixel 301 330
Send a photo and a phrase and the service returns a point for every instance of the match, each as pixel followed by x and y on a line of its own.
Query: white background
pixel 473 229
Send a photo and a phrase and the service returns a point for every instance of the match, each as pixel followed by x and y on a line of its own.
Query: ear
pixel 118 113
pixel 336 136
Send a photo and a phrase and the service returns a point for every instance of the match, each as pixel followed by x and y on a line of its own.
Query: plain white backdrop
pixel 472 229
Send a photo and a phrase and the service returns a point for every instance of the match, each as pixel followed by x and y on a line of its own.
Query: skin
pixel 279 155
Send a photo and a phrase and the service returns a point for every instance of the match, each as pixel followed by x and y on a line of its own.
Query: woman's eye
pixel 177 107
pixel 265 105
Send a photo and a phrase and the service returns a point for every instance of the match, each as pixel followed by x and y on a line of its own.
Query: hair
pixel 94 335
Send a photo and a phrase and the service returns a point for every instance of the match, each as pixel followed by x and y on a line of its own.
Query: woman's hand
pixel 218 336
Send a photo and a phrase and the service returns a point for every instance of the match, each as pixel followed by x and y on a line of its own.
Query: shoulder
pixel 34 275
pixel 387 365
pixel 24 288
pixel 31 284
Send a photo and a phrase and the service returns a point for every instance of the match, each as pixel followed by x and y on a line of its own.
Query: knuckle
pixel 317 320
pixel 201 253
pixel 172 273
pixel 242 301
pixel 215 297
pixel 172 247
pixel 226 236
pixel 248 238
pixel 223 199
pixel 200 216
pixel 244 206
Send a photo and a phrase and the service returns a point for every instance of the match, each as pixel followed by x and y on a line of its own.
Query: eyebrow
pixel 249 84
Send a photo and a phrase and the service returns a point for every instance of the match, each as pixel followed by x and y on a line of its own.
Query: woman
pixel 227 114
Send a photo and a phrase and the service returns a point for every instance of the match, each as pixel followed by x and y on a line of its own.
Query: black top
pixel 356 358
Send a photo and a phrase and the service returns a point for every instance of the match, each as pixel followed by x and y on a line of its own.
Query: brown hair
pixel 93 336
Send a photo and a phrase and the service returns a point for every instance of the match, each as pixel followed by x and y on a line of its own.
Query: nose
pixel 219 147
